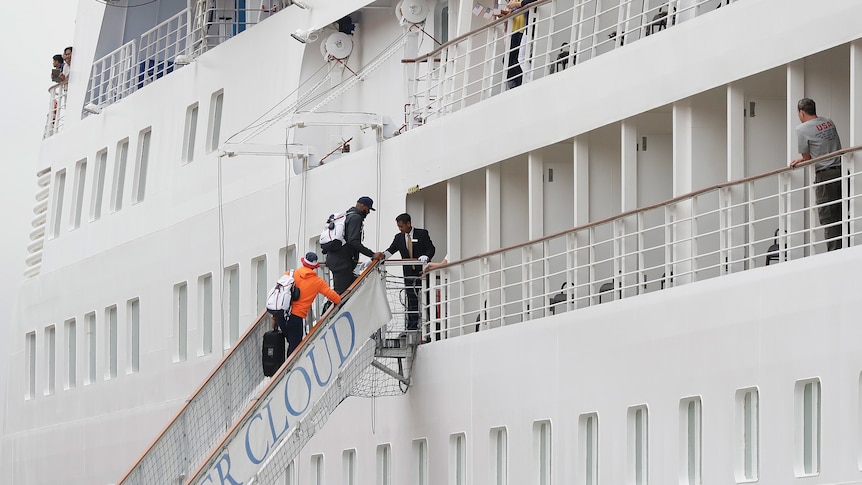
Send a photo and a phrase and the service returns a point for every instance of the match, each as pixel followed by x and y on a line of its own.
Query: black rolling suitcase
pixel 273 352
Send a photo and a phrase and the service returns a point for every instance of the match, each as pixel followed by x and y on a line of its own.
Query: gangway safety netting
pixel 238 381
pixel 374 382
pixel 205 417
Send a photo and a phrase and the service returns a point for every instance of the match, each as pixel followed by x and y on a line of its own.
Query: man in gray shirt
pixel 817 136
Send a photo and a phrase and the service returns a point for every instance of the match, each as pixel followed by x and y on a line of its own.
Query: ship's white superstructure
pixel 621 305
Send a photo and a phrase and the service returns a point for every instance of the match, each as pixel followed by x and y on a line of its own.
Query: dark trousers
pixel 513 69
pixel 829 213
pixel 292 331
pixel 412 287
pixel 342 279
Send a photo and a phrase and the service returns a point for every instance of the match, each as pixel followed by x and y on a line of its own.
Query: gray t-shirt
pixel 818 137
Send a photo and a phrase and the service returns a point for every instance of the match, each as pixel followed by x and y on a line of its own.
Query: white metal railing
pixel 56 108
pixel 141 61
pixel 724 229
pixel 558 34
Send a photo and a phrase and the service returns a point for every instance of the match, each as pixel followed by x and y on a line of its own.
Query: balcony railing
pixel 141 61
pixel 558 35
pixel 720 230
pixel 56 109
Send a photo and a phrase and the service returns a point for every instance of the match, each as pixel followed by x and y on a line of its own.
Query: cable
pixel 112 4
pixel 221 251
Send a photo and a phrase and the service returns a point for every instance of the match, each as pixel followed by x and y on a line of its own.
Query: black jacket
pixel 347 257
pixel 422 246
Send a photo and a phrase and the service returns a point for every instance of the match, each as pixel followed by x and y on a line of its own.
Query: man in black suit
pixel 412 243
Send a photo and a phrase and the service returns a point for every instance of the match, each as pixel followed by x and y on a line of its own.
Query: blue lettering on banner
pixel 275 437
pixel 260 441
pixel 293 372
pixel 328 360
pixel 248 452
pixel 223 475
pixel 341 354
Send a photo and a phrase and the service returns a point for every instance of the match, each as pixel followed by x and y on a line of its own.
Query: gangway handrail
pixel 671 201
pixel 488 26
pixel 261 319
pixel 276 377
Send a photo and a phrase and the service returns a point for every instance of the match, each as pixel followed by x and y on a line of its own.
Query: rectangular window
pixel 807 427
pixel 317 470
pixel 458 459
pixel 499 447
pixel 59 194
pixel 50 359
pixel 30 356
pixel 119 175
pixel 205 286
pixel 71 354
pixel 134 328
pixel 638 445
pixel 78 193
pixel 348 459
pixel 231 276
pixel 181 321
pixel 290 474
pixel 542 451
pixel 588 449
pixel 98 185
pixel 287 258
pixel 384 464
pixel 261 283
pixel 90 323
pixel 690 441
pixel 140 184
pixel 216 105
pixel 420 461
pixel 747 435
pixel 111 341
pixel 191 130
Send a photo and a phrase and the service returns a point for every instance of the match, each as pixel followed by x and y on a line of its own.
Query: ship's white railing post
pixel 56 109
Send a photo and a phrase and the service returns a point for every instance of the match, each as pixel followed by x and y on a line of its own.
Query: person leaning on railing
pixel 514 73
pixel 817 136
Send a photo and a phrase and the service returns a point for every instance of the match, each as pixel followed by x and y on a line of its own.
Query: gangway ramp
pixel 221 436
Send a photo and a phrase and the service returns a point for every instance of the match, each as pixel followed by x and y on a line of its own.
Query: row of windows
pixel 101 337
pixel 746 448
pixel 139 182
pixel 90 338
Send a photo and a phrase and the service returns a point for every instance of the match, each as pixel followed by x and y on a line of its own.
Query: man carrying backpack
pixel 342 261
pixel 310 285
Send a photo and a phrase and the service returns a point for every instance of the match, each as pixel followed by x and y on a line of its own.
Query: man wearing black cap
pixel 342 261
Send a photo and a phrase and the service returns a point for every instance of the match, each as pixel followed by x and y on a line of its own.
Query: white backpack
pixel 332 237
pixel 283 294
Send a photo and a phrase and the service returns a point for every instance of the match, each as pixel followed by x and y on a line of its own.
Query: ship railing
pixel 558 35
pixel 56 108
pixel 213 414
pixel 159 47
pixel 112 76
pixel 717 231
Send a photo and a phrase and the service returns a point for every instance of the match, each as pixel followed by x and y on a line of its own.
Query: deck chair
pixel 606 287
pixel 772 251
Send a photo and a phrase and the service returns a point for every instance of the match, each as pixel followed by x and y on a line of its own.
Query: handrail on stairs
pixel 179 460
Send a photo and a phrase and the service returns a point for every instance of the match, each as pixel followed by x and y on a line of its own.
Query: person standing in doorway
pixel 412 243
pixel 342 261
pixel 817 136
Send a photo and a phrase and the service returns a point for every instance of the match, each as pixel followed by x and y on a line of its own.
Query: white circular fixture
pixel 338 46
pixel 411 11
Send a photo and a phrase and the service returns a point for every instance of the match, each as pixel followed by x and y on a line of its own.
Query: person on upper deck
pixel 817 136
pixel 57 69
pixel 514 73
pixel 67 64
